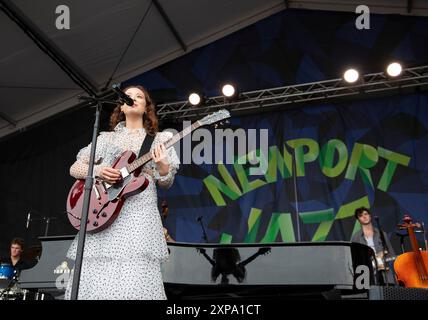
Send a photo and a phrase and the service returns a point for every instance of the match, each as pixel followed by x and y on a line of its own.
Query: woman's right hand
pixel 110 175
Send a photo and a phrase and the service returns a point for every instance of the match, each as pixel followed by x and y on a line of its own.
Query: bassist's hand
pixel 109 175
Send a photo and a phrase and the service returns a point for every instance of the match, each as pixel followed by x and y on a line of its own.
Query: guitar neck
pixel 169 143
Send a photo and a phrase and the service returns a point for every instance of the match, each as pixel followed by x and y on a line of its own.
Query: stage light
pixel 195 99
pixel 351 76
pixel 394 69
pixel 228 90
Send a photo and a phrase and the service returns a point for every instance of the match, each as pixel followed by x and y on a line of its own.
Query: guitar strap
pixel 147 144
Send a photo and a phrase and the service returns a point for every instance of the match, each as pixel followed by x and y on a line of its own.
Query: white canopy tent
pixel 43 69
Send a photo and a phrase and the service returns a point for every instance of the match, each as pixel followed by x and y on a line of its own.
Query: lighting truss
pixel 300 93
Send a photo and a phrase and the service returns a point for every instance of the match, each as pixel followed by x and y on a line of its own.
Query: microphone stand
pixel 204 234
pixel 89 180
pixel 47 223
pixel 27 225
pixel 385 250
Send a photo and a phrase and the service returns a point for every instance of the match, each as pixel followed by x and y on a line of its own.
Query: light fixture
pixel 394 69
pixel 195 99
pixel 351 76
pixel 228 90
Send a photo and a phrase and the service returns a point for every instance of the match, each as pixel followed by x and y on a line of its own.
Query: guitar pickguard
pixel 114 190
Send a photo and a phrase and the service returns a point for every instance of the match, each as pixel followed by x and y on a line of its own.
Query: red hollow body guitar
pixel 107 200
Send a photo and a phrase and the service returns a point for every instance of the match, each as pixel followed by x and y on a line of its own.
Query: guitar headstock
pixel 215 117
pixel 408 223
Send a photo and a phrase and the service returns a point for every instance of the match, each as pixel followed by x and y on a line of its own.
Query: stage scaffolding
pixel 263 100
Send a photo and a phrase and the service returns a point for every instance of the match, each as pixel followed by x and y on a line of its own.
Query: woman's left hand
pixel 161 160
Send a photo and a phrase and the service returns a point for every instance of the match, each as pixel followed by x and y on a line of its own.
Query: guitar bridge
pixel 105 186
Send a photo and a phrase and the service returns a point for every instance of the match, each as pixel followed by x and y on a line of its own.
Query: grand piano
pixel 226 271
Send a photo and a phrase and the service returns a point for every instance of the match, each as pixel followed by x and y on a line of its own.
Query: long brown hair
pixel 150 121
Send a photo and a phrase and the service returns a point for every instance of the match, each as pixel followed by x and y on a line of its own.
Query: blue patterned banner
pixel 323 162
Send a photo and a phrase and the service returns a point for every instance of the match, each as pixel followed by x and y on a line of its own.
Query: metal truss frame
pixel 308 92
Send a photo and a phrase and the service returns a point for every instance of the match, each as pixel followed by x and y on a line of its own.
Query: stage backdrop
pixel 323 162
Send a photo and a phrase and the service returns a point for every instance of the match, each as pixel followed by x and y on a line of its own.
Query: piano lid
pixel 304 263
pixel 234 265
pixel 52 268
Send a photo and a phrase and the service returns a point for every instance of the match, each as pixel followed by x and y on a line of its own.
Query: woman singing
pixel 123 261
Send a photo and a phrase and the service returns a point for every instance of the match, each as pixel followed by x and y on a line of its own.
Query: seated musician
pixel 15 259
pixel 370 236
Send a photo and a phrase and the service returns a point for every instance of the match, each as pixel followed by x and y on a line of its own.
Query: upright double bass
pixel 411 267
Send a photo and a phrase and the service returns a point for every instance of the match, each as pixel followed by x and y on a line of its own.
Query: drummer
pixel 15 259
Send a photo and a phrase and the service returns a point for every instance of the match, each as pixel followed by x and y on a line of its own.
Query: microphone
pixel 199 219
pixel 28 219
pixel 122 96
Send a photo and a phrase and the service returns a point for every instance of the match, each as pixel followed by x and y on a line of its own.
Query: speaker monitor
pixel 397 293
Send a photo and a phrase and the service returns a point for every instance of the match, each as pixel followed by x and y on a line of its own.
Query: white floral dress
pixel 124 260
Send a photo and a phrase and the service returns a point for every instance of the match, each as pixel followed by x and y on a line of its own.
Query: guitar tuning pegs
pixel 221 124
